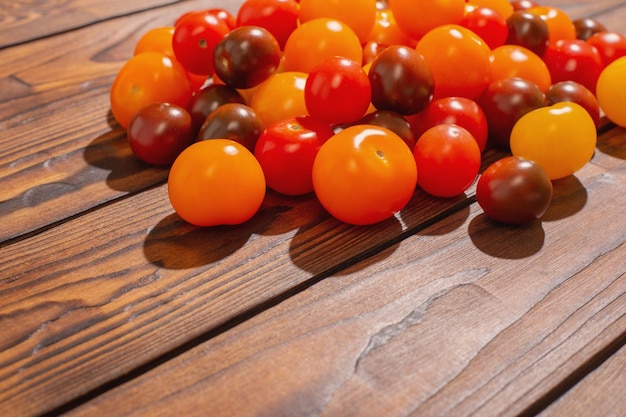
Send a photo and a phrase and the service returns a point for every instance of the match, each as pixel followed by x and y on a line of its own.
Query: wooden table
pixel 111 305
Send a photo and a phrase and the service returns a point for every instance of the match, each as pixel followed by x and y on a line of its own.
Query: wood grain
pixel 463 318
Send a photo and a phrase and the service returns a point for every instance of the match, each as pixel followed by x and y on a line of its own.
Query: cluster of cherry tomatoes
pixel 362 101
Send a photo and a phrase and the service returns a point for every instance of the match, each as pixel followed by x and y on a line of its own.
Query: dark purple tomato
pixel 574 60
pixel 528 30
pixel 209 98
pixel 246 57
pixel 504 102
pixel 514 190
pixel 524 4
pixel 159 132
pixel 401 80
pixel 586 26
pixel 574 92
pixel 393 121
pixel 233 121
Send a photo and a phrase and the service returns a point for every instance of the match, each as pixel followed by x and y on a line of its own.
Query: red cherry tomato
pixel 610 46
pixel 280 17
pixel 286 151
pixel 488 24
pixel 448 160
pixel 337 91
pixel 574 60
pixel 364 174
pixel 195 36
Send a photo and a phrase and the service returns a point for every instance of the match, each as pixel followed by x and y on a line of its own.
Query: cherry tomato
pixel 208 99
pixel 364 174
pixel 158 133
pixel 610 46
pixel 528 30
pixel 417 18
pixel 488 24
pixel 449 48
pixel 147 78
pixel 318 39
pixel 195 36
pixel 504 102
pixel 586 26
pixel 574 60
pixel 156 40
pixel 216 182
pixel 523 4
pixel 503 7
pixel 401 80
pixel 386 31
pixel 514 61
pixel 393 121
pixel 560 26
pixel 234 121
pixel 576 93
pixel 359 15
pixel 448 160
pixel 246 57
pixel 611 91
pixel 286 151
pixel 514 190
pixel 460 111
pixel 337 90
pixel 280 97
pixel 561 138
pixel 280 17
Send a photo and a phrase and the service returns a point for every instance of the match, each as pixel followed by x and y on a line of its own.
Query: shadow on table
pixel 505 241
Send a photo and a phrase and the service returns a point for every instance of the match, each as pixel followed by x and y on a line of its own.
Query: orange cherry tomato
pixel 387 32
pixel 357 14
pixel 216 182
pixel 147 78
pixel 514 61
pixel 417 17
pixel 503 7
pixel 318 39
pixel 364 174
pixel 156 40
pixel 280 97
pixel 459 60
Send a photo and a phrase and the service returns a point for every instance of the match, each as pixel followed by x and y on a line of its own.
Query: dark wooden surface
pixel 111 305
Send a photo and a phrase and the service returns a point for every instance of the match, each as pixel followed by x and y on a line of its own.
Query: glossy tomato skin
pixel 401 80
pixel 246 56
pixel 147 78
pixel 280 97
pixel 448 160
pixel 234 121
pixel 196 34
pixel 216 182
pixel 574 60
pixel 158 133
pixel 610 46
pixel 571 91
pixel 364 174
pixel 359 15
pixel 460 111
pixel 337 91
pixel 587 26
pixel 611 91
pixel 487 23
pixel 514 190
pixel 280 17
pixel 286 151
pixel 393 121
pixel 528 30
pixel 208 99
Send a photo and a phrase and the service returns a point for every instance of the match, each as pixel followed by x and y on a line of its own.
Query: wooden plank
pixel 60 151
pixel 464 318
pixel 603 391
pixel 23 21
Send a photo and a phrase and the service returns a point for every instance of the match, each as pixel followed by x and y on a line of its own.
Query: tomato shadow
pixel 568 198
pixel 111 153
pixel 506 241
pixel 176 244
pixel 612 142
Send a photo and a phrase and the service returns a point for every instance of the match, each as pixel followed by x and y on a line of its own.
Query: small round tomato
pixel 448 160
pixel 337 90
pixel 233 121
pixel 561 138
pixel 196 35
pixel 514 61
pixel 216 182
pixel 460 111
pixel 280 97
pixel 401 80
pixel 158 133
pixel 393 121
pixel 359 15
pixel 574 60
pixel 246 57
pixel 318 39
pixel 560 25
pixel 209 98
pixel 586 26
pixel 280 17
pixel 449 48
pixel 514 190
pixel 147 78
pixel 286 151
pixel 156 40
pixel 528 30
pixel 487 23
pixel 364 174
pixel 611 91
pixel 417 18
pixel 576 93
pixel 386 31
pixel 610 46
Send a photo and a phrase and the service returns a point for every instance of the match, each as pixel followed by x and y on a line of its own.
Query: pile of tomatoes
pixel 361 101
